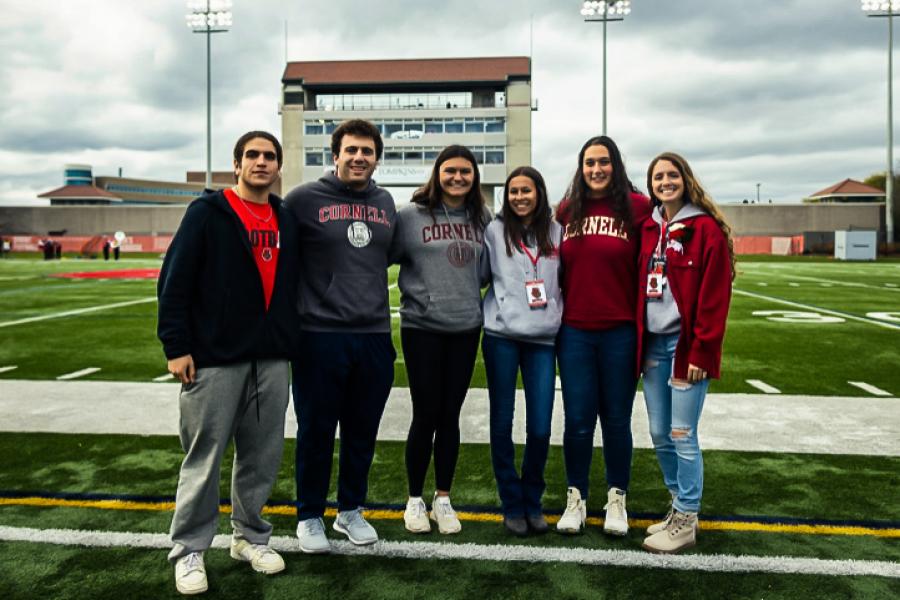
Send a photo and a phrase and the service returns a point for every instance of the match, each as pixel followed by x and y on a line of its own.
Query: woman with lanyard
pixel 687 262
pixel 522 313
pixel 601 217
pixel 438 243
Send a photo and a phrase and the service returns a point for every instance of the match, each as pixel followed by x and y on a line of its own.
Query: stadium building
pixel 420 106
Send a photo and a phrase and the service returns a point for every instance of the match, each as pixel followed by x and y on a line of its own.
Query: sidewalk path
pixel 771 423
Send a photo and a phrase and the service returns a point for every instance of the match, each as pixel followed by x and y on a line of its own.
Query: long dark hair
pixel 619 187
pixel 514 229
pixel 695 194
pixel 429 195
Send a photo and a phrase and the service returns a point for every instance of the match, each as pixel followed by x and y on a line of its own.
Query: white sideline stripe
pixel 558 383
pixel 763 386
pixel 77 311
pixel 718 563
pixel 392 286
pixel 890 285
pixel 165 377
pixel 817 309
pixel 8 368
pixel 77 374
pixel 792 284
pixel 867 387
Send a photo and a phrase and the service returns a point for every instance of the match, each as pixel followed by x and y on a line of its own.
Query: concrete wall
pixel 795 219
pixel 745 219
pixel 518 125
pixel 91 220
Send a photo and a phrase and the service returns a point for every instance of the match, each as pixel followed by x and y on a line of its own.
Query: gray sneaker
pixel 311 534
pixel 352 524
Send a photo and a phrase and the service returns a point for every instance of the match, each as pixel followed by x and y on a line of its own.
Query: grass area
pixel 738 484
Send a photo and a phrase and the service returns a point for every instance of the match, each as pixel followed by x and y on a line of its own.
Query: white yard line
pixel 77 374
pixel 8 368
pixel 763 386
pixel 832 281
pixel 392 286
pixel 715 563
pixel 817 309
pixel 166 377
pixel 78 311
pixel 867 387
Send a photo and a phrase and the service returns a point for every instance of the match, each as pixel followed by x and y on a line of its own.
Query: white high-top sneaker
pixel 572 520
pixel 616 521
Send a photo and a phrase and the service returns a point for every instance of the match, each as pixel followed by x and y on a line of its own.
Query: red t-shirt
pixel 261 224
pixel 599 265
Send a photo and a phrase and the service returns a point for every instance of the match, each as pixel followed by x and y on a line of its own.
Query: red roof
pixel 849 187
pixel 408 70
pixel 78 191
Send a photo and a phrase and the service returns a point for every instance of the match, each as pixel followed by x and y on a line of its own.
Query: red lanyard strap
pixel 532 258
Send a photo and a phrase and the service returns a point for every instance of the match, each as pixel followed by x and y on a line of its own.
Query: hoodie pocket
pixel 454 310
pixel 356 299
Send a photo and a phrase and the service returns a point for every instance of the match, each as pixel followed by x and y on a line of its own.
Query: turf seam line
pixel 721 563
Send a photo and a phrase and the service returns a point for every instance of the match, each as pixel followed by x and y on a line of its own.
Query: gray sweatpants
pixel 220 405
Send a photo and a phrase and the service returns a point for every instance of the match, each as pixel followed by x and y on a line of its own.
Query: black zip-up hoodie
pixel 211 299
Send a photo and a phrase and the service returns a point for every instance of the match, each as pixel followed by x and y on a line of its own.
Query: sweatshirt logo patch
pixel 460 254
pixel 359 234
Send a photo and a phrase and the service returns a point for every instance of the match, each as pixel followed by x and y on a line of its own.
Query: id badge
pixel 535 293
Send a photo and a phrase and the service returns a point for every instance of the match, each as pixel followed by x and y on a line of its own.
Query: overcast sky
pixel 790 94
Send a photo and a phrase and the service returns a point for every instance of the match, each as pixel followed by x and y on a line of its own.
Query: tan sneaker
pixel 190 574
pixel 262 558
pixel 572 520
pixel 415 517
pixel 680 534
pixel 443 514
pixel 616 521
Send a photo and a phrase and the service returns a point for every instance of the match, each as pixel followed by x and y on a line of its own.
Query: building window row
pixel 398 129
pixel 133 189
pixel 425 155
pixel 393 101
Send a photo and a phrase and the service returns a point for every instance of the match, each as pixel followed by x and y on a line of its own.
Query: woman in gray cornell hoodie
pixel 522 313
pixel 438 243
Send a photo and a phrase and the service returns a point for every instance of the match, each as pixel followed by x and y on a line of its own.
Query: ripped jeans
pixel 674 414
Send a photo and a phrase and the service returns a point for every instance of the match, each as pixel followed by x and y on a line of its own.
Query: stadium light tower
pixel 604 11
pixel 888 9
pixel 209 17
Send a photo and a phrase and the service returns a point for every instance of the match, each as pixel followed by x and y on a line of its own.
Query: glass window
pixel 330 126
pixel 474 126
pixel 479 155
pixel 314 158
pixel 391 128
pixel 393 157
pixel 495 126
pixel 434 126
pixel 453 127
pixel 494 156
pixel 430 155
pixel 314 129
pixel 413 157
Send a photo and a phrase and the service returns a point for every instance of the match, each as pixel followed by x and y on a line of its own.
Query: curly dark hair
pixel 359 128
pixel 514 229
pixel 620 187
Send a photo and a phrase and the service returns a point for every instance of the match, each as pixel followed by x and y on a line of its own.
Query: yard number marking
pixel 796 316
pixel 815 308
pixel 893 317
pixel 867 387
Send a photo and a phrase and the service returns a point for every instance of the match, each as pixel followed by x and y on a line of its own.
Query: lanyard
pixel 662 236
pixel 533 258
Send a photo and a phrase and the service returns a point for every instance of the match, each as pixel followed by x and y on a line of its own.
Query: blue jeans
pixel 674 414
pixel 597 370
pixel 503 357
pixel 338 378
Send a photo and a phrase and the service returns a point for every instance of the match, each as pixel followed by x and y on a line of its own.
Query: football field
pixel 85 515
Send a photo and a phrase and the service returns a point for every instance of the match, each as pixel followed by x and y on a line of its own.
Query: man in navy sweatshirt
pixel 228 325
pixel 345 368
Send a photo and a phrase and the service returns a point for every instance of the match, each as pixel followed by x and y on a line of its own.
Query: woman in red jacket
pixel 687 266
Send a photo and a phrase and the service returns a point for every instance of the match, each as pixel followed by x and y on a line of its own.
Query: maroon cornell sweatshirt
pixel 599 264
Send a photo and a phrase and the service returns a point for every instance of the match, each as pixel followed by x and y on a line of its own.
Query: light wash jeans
pixel 674 409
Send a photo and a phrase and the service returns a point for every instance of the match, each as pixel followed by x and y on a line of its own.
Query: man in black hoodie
pixel 228 323
pixel 345 369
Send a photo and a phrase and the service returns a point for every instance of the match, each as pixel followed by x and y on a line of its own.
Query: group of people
pixel 257 294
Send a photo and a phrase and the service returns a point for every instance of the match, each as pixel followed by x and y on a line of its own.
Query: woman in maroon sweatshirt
pixel 687 266
pixel 597 343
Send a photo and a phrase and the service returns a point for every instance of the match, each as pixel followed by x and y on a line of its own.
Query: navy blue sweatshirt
pixel 211 299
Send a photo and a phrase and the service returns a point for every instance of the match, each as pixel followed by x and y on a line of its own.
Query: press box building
pixel 420 106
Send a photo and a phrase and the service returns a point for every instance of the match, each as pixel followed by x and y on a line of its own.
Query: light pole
pixel 209 17
pixel 888 9
pixel 757 192
pixel 602 11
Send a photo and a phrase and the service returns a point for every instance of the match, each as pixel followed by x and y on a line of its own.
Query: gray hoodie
pixel 506 309
pixel 345 236
pixel 662 313
pixel 439 283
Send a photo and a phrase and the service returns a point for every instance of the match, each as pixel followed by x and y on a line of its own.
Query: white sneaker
pixel 415 517
pixel 353 524
pixel 442 512
pixel 311 533
pixel 572 520
pixel 616 521
pixel 190 574
pixel 262 558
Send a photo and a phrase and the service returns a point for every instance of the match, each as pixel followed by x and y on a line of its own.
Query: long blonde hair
pixel 695 194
